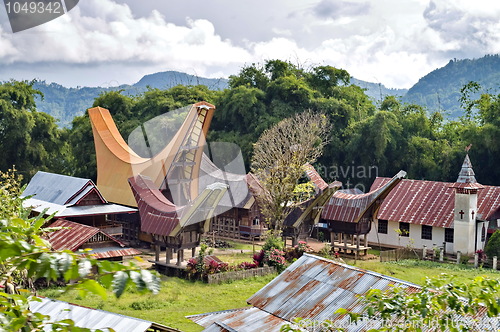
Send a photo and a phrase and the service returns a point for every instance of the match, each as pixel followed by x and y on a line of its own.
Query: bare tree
pixel 278 162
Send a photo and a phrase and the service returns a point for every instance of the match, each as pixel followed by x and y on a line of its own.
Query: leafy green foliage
pixel 25 256
pixel 493 246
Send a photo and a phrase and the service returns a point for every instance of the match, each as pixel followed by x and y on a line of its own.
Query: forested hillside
pixel 440 89
pixel 65 103
pixel 367 139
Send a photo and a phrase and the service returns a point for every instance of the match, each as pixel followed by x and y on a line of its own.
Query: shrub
pixel 248 265
pixel 276 258
pixel 493 246
pixel 259 258
pixel 273 241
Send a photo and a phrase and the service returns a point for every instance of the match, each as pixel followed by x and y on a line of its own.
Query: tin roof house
pixel 75 199
pixel 457 216
pixel 74 236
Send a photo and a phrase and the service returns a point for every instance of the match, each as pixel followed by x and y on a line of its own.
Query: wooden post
pixel 193 252
pixel 357 246
pixel 179 256
pixel 444 247
pixel 441 255
pixel 168 255
pixel 476 260
pixel 157 252
pixel 495 263
pixel 459 254
pixel 424 252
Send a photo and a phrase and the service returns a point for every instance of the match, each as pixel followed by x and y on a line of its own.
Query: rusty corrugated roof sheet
pixel 431 202
pixel 315 178
pixel 71 238
pixel 351 207
pixel 76 235
pixel 315 288
pixel 241 320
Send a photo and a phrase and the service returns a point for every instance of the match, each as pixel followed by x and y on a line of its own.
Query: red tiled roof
pixel 351 207
pixel 431 202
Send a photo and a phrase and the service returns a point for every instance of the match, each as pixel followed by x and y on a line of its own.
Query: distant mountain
pixel 66 103
pixel 377 91
pixel 440 89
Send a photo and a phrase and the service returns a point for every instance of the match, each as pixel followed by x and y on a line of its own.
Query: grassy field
pixel 179 298
pixel 176 299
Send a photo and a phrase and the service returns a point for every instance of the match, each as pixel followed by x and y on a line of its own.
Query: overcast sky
pixel 112 42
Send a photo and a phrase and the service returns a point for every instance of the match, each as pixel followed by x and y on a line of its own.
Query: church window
pixel 404 228
pixel 382 226
pixel 448 235
pixel 426 232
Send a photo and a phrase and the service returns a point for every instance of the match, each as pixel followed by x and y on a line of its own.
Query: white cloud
pixel 394 42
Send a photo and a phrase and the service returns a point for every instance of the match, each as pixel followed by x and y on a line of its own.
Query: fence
pixel 477 260
pixel 237 275
pixel 400 253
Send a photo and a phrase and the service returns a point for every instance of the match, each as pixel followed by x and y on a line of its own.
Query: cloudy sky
pixel 112 42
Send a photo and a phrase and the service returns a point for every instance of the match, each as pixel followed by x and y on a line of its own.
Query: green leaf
pixel 84 268
pixel 94 287
pixel 120 280
pixel 151 281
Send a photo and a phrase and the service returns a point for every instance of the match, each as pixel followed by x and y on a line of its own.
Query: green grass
pixel 177 298
pixel 416 271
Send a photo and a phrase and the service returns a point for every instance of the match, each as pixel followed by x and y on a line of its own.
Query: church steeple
pixel 467 178
pixel 466 174
pixel 467 228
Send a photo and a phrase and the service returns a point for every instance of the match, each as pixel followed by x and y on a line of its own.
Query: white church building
pixel 457 215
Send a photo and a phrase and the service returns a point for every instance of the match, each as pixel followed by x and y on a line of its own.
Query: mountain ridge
pixel 438 90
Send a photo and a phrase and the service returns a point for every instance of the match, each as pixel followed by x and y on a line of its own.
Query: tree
pixel 493 246
pixel 279 158
pixel 26 256
pixel 28 139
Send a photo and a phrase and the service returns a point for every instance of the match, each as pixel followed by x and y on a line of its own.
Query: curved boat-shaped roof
pixel 354 207
pixel 237 194
pixel 117 161
pixel 161 217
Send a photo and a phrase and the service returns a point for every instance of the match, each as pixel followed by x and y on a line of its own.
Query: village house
pixel 76 237
pixel 456 216
pixel 74 199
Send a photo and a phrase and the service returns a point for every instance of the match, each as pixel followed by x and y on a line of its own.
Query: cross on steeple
pixel 461 213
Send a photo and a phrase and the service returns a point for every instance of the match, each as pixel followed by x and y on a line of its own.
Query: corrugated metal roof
pixel 56 188
pixel 62 211
pixel 315 288
pixel 431 202
pixel 92 318
pixel 75 235
pixel 71 238
pixel 110 252
pixel 315 178
pixel 351 207
pixel 241 320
